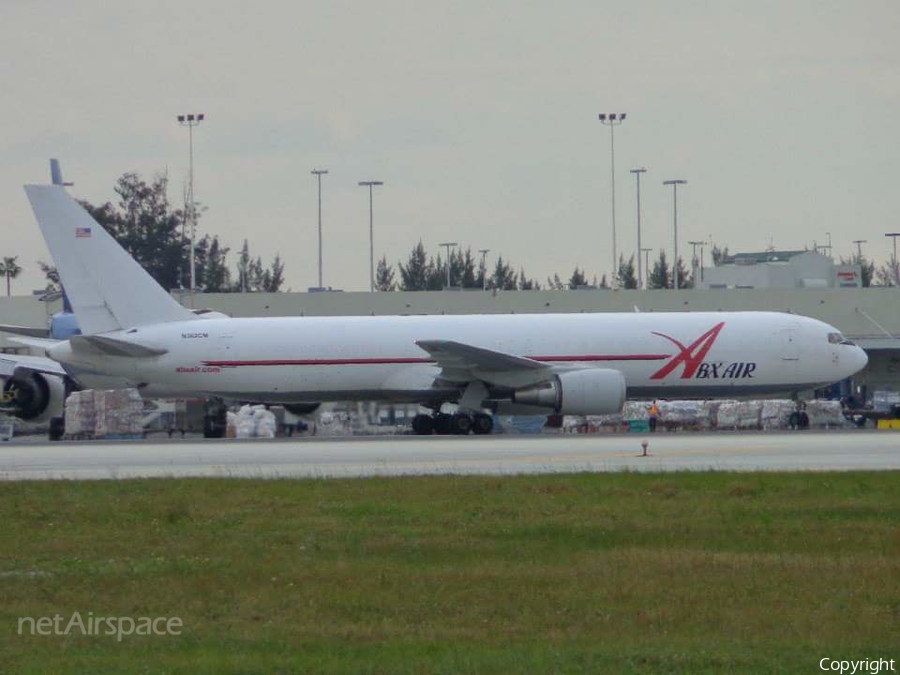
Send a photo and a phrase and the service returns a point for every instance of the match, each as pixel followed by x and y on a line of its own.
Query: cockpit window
pixel 838 339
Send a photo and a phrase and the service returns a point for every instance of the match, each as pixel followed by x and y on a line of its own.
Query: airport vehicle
pixel 135 331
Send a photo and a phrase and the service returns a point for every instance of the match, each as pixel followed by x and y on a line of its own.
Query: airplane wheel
pixel 423 425
pixel 482 424
pixel 443 424
pixel 214 427
pixel 461 424
pixel 57 428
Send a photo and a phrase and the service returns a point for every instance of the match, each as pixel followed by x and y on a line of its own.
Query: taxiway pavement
pixel 413 455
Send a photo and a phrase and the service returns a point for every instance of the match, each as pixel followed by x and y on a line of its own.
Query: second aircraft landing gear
pixel 215 418
pixel 458 423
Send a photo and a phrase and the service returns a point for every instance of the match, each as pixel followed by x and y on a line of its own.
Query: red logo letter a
pixel 686 355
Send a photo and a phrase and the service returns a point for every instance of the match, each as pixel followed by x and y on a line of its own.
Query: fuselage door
pixel 790 345
pixel 225 343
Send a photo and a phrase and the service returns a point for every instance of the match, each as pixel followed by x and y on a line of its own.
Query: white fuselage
pixel 293 359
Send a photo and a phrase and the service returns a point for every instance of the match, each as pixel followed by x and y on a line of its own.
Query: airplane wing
pixel 461 362
pixel 12 365
pixel 41 343
pixel 27 331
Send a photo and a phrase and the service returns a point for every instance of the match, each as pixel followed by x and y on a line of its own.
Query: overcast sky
pixel 480 118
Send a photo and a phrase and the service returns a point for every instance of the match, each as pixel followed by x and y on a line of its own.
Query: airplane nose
pixel 854 359
pixel 860 358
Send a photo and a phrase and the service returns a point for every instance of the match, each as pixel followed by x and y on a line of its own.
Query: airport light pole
pixel 484 252
pixel 859 243
pixel 190 121
pixel 637 174
pixel 894 235
pixel 448 245
pixel 675 184
pixel 370 184
pixel 646 252
pixel 318 173
pixel 695 244
pixel 612 120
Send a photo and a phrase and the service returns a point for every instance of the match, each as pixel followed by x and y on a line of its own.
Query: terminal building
pixel 779 269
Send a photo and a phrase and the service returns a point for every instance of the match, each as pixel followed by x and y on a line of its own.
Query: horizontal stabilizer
pixel 12 365
pixel 113 347
pixel 27 331
pixel 40 343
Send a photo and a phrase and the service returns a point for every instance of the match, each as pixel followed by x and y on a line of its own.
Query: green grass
pixel 624 573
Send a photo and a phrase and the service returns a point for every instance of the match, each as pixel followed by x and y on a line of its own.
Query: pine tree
pixel 684 279
pixel 415 274
pixel 384 276
pixel 660 276
pixel 887 273
pixel 719 254
pixel 577 279
pixel 274 276
pixel 216 277
pixel 437 274
pixel 526 284
pixel 555 284
pixel 466 266
pixel 503 278
pixel 626 277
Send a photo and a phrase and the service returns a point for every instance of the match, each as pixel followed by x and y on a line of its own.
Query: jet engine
pixel 593 391
pixel 34 397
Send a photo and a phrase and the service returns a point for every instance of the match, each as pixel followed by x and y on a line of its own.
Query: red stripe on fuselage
pixel 319 362
pixel 602 357
pixel 405 361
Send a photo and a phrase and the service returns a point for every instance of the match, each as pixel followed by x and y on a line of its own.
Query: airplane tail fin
pixel 108 289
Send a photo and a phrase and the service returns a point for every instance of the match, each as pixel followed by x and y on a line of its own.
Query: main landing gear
pixel 458 423
pixel 215 418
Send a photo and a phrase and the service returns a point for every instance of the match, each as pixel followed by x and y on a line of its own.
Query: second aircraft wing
pixel 17 364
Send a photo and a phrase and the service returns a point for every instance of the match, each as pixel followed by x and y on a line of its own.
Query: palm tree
pixel 10 269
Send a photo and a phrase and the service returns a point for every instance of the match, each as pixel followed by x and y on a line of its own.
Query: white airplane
pixel 135 331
